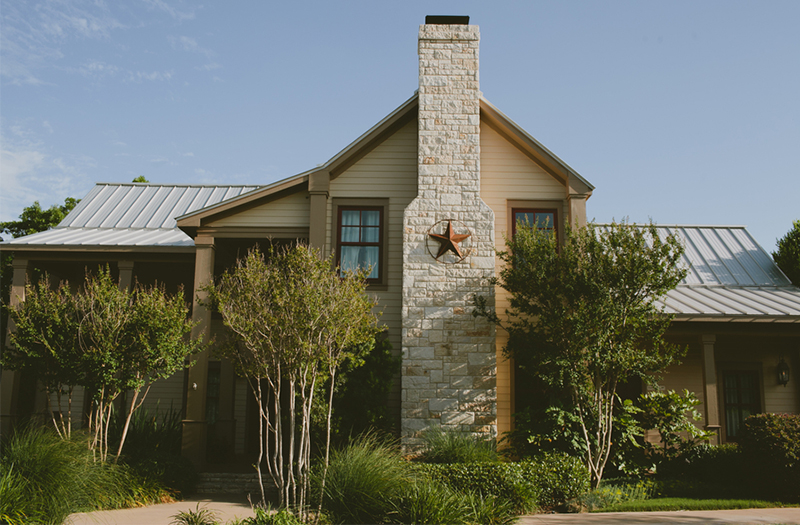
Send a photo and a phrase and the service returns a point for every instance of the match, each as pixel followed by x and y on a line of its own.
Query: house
pixel 425 196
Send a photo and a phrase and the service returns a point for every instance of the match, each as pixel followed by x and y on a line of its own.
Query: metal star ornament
pixel 449 241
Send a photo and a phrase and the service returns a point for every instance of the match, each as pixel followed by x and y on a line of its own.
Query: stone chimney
pixel 449 365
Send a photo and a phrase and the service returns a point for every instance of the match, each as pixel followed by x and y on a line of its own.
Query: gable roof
pixel 129 215
pixel 374 136
pixel 730 278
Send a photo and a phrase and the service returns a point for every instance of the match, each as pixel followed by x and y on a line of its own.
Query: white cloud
pixel 208 67
pixel 170 10
pixel 46 125
pixel 32 35
pixel 30 173
pixel 188 154
pixel 139 76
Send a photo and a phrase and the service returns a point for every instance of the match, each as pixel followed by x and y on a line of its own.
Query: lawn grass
pixel 667 504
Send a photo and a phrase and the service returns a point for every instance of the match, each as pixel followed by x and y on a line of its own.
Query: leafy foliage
pixel 106 339
pixel 449 446
pixel 292 321
pixel 545 481
pixel 771 444
pixel 787 256
pixel 44 478
pixel 583 315
pixel 33 219
pixel 363 478
pixel 197 516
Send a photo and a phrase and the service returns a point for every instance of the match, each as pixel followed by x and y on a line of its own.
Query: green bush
pixel 706 463
pixel 363 479
pixel 544 482
pixel 52 478
pixel 771 445
pixel 426 502
pixel 617 491
pixel 448 446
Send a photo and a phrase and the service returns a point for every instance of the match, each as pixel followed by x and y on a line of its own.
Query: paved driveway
pixel 228 509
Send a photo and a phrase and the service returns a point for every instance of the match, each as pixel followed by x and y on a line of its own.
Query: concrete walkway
pixel 228 509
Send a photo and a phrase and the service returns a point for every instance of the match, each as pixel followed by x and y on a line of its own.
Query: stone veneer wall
pixel 449 364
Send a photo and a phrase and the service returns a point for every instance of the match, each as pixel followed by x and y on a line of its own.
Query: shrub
pixel 711 463
pixel 198 516
pixel 363 479
pixel 771 444
pixel 426 502
pixel 617 491
pixel 52 478
pixel 546 481
pixel 448 446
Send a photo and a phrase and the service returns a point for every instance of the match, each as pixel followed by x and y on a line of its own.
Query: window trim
pixel 337 205
pixel 549 206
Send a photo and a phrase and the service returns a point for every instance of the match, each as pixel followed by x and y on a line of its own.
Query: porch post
pixel 9 381
pixel 193 445
pixel 710 387
pixel 318 188
pixel 125 274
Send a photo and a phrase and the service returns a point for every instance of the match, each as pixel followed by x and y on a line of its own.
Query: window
pixel 541 219
pixel 742 399
pixel 359 242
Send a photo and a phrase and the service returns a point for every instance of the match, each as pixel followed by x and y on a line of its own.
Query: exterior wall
pixel 508 174
pixel 387 172
pixel 289 211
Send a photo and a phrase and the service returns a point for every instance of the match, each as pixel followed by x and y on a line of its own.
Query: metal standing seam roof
pixel 730 277
pixel 132 215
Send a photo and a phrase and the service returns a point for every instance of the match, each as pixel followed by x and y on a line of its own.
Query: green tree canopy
pixel 787 257
pixel 292 321
pixel 583 315
pixel 101 337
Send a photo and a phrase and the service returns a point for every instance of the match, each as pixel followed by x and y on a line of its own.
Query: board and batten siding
pixel 290 211
pixel 508 174
pixel 389 171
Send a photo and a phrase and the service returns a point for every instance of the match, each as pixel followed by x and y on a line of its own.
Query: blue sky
pixel 683 112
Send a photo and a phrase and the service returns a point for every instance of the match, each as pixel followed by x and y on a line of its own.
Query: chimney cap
pixel 447 20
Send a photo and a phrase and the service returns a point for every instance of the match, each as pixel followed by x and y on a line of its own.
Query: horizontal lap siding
pixel 387 172
pixel 508 174
pixel 291 211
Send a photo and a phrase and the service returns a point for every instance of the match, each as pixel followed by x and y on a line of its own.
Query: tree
pixel 787 257
pixel 140 178
pixel 106 339
pixel 33 219
pixel 583 315
pixel 291 320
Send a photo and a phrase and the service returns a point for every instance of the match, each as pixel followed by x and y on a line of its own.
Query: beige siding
pixel 387 172
pixel 508 174
pixel 165 395
pixel 291 211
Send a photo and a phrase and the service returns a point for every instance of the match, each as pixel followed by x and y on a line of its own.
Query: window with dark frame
pixel 539 218
pixel 742 399
pixel 359 240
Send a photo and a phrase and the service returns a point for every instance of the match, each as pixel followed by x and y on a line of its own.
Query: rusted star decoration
pixel 448 242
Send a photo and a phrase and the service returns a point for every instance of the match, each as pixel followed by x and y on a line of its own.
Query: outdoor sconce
pixel 783 372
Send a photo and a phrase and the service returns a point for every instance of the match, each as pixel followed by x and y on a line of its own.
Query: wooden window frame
pixel 547 206
pixel 381 205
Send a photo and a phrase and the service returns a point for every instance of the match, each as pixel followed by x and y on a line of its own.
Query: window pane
pixel 350 234
pixel 370 218
pixel 348 258
pixel 370 234
pixel 524 218
pixel 545 221
pixel 350 217
pixel 368 256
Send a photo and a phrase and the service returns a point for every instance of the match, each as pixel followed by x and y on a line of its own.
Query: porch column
pixel 710 387
pixel 9 381
pixel 577 209
pixel 193 444
pixel 125 274
pixel 318 187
